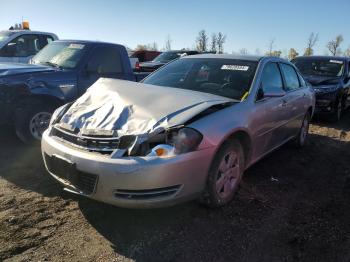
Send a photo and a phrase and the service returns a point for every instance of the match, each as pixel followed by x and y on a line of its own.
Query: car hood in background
pixel 17 68
pixel 322 80
pixel 152 64
pixel 117 107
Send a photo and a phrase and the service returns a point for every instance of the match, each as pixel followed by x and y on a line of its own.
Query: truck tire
pixel 31 120
pixel 338 110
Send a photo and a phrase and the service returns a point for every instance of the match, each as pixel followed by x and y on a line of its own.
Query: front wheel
pixel 225 174
pixel 338 110
pixel 31 121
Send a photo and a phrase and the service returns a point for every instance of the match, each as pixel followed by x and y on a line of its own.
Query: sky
pixel 249 24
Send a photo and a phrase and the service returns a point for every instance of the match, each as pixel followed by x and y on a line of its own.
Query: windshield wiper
pixel 52 64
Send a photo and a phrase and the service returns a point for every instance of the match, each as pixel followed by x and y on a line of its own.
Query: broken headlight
pixel 178 141
pixel 187 140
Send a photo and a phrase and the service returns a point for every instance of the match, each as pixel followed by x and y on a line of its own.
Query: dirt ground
pixel 293 206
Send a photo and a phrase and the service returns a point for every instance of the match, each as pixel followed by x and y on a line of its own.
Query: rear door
pixel 103 61
pixel 295 99
pixel 271 114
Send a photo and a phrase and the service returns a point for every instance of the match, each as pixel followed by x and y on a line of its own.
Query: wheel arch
pixel 243 136
pixel 36 99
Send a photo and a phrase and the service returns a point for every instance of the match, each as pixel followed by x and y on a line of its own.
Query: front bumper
pixel 325 103
pixel 134 182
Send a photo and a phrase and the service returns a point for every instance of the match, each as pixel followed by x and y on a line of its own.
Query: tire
pixel 302 138
pixel 221 187
pixel 338 110
pixel 31 120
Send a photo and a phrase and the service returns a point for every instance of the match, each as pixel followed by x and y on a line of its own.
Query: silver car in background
pixel 188 131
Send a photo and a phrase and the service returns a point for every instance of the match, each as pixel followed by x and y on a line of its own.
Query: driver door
pixel 270 113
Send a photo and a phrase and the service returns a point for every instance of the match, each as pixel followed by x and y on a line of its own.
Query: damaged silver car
pixel 188 131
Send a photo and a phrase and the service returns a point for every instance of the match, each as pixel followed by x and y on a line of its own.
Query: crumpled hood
pixel 17 68
pixel 130 108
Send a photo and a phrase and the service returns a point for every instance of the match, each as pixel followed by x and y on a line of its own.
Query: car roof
pixel 27 32
pixel 227 56
pixel 343 58
pixel 87 42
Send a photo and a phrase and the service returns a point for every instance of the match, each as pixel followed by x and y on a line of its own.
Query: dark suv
pixel 330 78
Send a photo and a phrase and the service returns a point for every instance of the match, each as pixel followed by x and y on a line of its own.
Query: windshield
pixel 4 35
pixel 167 57
pixel 320 67
pixel 224 77
pixel 65 55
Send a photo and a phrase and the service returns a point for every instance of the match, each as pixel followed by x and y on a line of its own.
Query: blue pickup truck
pixel 58 74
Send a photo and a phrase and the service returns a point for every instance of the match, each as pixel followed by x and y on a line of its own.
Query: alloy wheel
pixel 228 175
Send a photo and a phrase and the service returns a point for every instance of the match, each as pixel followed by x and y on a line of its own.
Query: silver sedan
pixel 189 130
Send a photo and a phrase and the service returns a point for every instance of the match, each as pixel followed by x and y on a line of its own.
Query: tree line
pixel 215 44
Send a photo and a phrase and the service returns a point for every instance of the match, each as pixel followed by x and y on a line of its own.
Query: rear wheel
pixel 301 138
pixel 225 174
pixel 31 120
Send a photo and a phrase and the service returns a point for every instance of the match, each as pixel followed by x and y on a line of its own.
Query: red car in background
pixel 140 56
pixel 145 55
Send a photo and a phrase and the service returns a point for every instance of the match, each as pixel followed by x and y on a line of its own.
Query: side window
pixel 105 60
pixel 291 77
pixel 271 79
pixel 22 46
pixel 302 81
pixel 46 39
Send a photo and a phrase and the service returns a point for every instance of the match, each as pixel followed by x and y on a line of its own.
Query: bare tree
pixel 333 45
pixel 202 41
pixel 292 54
pixel 271 51
pixel 347 52
pixel 243 51
pixel 153 46
pixel 270 47
pixel 213 43
pixel 276 53
pixel 311 41
pixel 221 39
pixel 168 42
pixel 140 47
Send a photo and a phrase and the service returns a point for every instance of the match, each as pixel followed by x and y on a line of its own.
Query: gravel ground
pixel 293 205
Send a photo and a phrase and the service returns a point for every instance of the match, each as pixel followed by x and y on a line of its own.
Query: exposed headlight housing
pixel 186 140
pixel 178 141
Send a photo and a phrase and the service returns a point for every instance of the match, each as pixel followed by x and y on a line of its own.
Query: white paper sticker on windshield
pixel 235 67
pixel 76 46
pixel 336 61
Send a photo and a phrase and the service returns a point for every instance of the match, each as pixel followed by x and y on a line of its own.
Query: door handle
pixel 284 103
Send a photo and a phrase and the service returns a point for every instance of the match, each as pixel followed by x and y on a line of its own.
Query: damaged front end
pixel 166 143
pixel 120 122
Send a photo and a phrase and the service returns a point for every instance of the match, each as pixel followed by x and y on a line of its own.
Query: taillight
pixel 137 66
